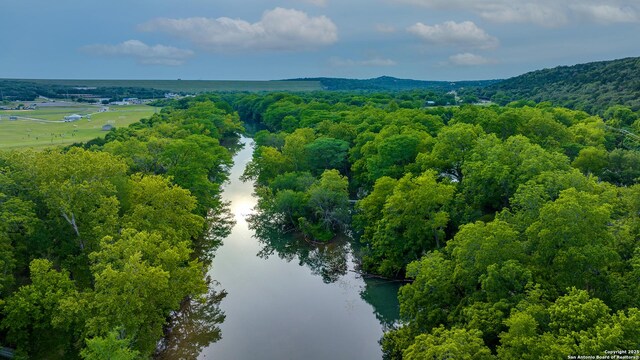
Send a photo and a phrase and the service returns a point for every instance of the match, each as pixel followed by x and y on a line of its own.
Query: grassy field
pixel 190 86
pixel 50 130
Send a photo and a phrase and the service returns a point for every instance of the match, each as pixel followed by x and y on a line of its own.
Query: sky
pixel 281 39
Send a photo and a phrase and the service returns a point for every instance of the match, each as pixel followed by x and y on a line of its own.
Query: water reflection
pixel 382 295
pixel 294 300
pixel 220 222
pixel 329 261
pixel 193 328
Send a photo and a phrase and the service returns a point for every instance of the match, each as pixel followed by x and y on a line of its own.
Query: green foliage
pixel 393 84
pixel 33 315
pixel 196 163
pixel 319 208
pixel 591 160
pixel 79 189
pixel 620 116
pixel 295 148
pixel 413 221
pixel 111 347
pixel 477 247
pixel 266 164
pixel 154 204
pixel 517 225
pixel 328 153
pixel 428 301
pixel 571 242
pixel 389 153
pixel 622 168
pixel 576 324
pixel 593 87
pixel 123 222
pixel 454 145
pixel 449 344
pixel 496 169
pixel 279 111
pixel 128 294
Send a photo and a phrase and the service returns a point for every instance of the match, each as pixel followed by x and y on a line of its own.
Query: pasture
pixel 45 127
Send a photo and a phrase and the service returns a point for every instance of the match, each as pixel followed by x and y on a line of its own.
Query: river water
pixel 285 298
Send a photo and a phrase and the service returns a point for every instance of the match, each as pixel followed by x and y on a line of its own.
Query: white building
pixel 74 117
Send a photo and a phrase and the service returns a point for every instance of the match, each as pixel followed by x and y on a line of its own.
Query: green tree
pixel 623 167
pixel 79 189
pixel 329 204
pixel 139 278
pixel 393 153
pixel 574 324
pixel 453 147
pixel 592 160
pixel 110 347
pixel 496 169
pixel 279 110
pixel 413 221
pixel 152 203
pixel 449 344
pixel 589 132
pixel 431 297
pixel 18 223
pixel 620 116
pixel 369 209
pixel 295 148
pixel 478 246
pixel 327 153
pixel 571 242
pixel 33 317
pixel 267 163
pixel 542 129
pixel 197 163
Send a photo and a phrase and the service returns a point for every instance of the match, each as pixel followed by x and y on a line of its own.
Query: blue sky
pixel 265 40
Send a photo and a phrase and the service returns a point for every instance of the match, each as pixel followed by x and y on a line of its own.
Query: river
pixel 285 298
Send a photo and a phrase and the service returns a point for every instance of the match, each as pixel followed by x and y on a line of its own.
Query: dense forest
pixel 102 242
pixel 517 225
pixel 592 87
pixel 388 83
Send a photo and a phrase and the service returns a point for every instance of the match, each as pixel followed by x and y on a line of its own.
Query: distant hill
pixel 592 87
pixel 390 83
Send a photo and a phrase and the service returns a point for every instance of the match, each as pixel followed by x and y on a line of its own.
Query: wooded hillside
pixel 592 87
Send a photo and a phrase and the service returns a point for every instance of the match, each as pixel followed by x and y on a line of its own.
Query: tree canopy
pixel 516 226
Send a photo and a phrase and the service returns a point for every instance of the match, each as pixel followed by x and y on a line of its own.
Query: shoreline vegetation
pixel 516 225
pixel 503 217
pixel 102 242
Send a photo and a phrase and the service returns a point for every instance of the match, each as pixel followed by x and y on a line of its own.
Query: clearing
pixel 46 127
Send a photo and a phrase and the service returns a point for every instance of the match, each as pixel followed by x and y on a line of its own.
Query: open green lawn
pixel 24 133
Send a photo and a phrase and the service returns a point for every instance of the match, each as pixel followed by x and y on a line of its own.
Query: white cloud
pixel 549 13
pixel 316 2
pixel 143 53
pixel 278 29
pixel 465 34
pixel 606 14
pixel 385 29
pixel 469 59
pixel 543 14
pixel 373 62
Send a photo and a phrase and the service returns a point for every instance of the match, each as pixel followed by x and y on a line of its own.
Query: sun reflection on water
pixel 242 207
